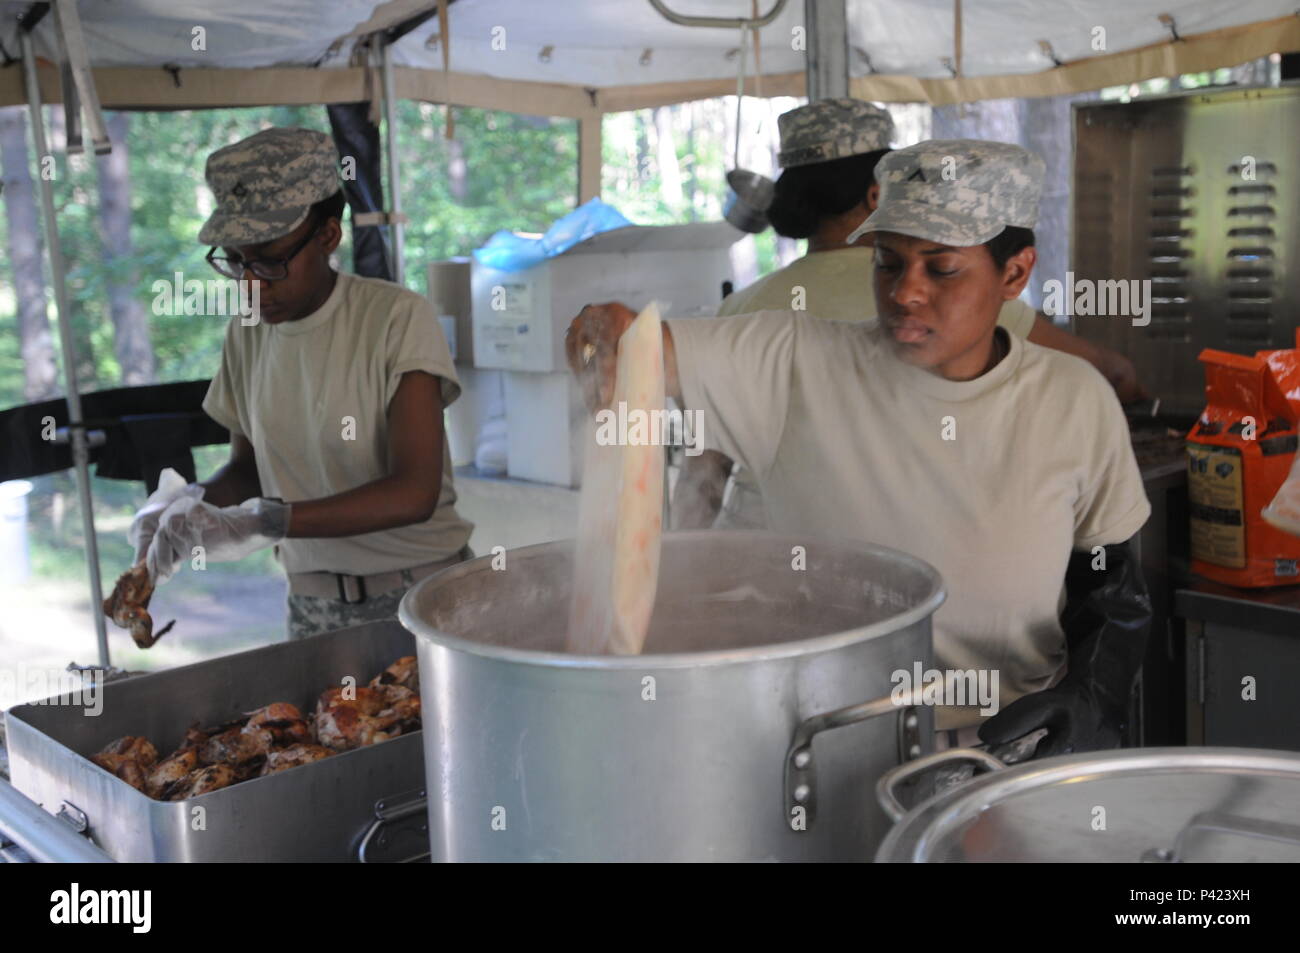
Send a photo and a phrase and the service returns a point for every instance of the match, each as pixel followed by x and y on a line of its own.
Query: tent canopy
pixel 584 57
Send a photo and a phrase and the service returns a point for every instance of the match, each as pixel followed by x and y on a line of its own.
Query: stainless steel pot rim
pixel 917 834
pixel 926 607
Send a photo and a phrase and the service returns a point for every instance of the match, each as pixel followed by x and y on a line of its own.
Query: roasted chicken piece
pixel 128 758
pixel 400 684
pixel 242 750
pixel 344 728
pixel 128 606
pixel 367 701
pixel 282 759
pixel 211 778
pixel 195 737
pixel 120 766
pixel 404 672
pixel 167 775
pixel 347 718
pixel 284 721
pixel 135 747
pixel 404 704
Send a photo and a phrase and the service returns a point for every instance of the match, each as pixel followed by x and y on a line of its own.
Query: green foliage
pixel 512 172
pixel 520 172
pixel 501 171
pixel 634 181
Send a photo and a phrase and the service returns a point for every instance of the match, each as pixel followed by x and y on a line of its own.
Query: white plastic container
pixel 15 561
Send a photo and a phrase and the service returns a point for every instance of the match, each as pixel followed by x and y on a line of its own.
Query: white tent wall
pixel 573 57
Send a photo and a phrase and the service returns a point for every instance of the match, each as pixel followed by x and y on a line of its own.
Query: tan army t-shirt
pixel 992 481
pixel 292 388
pixel 836 285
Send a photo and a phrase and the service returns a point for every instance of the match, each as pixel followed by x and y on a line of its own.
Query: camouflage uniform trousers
pixel 312 615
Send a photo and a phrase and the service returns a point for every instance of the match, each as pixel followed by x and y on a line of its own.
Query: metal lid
pixel 1142 804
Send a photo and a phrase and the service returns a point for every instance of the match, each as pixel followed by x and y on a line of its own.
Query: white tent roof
pixel 302 48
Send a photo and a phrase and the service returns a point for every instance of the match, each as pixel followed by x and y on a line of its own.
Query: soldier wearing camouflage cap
pixel 265 185
pixel 831 153
pixel 956 191
pixel 333 395
pixel 832 129
pixel 1005 465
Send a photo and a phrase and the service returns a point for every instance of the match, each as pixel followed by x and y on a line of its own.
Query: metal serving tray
pixel 318 812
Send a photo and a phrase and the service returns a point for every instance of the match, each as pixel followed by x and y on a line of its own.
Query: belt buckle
pixel 343 594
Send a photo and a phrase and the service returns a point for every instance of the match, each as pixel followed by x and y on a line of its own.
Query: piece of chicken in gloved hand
pixel 128 606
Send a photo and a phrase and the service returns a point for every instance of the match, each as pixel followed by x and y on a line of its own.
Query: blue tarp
pixel 507 251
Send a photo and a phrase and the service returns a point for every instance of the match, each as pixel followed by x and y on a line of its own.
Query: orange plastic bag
pixel 1239 455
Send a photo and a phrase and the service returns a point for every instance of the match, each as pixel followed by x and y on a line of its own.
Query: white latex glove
pixel 225 533
pixel 1284 511
pixel 171 487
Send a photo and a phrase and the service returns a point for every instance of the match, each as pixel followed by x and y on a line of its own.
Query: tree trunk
pixel 35 336
pixel 642 146
pixel 457 170
pixel 131 341
pixel 693 173
pixel 670 173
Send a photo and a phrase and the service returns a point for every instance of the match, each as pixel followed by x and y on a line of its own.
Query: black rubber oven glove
pixel 1106 621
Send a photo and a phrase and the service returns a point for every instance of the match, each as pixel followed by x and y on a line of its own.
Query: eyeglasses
pixel 267 269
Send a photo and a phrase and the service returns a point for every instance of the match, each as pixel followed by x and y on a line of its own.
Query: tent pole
pixel 589 157
pixel 827 55
pixel 58 273
pixel 396 228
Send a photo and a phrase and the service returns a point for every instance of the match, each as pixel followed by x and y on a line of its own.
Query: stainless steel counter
pixel 1275 611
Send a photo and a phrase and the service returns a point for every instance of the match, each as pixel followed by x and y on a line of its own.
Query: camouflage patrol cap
pixel 832 129
pixel 957 192
pixel 266 184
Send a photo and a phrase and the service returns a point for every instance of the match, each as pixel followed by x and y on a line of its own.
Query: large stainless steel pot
pixel 743 722
pixel 1140 804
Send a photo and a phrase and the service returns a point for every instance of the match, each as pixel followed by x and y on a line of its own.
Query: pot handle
pixel 800 786
pixel 392 822
pixel 1221 823
pixel 891 779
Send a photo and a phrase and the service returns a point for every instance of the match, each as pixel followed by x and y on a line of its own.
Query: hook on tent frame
pixel 727 23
